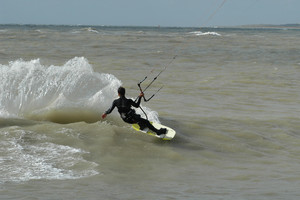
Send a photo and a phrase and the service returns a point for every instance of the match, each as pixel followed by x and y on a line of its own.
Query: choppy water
pixel 232 95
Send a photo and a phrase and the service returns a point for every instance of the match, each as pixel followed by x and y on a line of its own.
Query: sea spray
pixel 68 93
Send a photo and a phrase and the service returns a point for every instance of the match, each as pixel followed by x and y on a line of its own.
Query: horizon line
pixel 291 25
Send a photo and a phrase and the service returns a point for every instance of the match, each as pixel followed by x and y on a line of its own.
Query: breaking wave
pixel 199 33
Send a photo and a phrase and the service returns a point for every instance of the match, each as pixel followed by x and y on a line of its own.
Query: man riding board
pixel 128 114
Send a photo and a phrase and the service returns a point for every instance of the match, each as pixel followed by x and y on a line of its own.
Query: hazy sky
pixel 150 12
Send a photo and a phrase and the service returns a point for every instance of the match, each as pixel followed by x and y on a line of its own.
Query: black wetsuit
pixel 128 114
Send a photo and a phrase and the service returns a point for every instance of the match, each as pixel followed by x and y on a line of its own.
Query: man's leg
pixel 145 123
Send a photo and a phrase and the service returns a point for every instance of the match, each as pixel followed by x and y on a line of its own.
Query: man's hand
pixel 104 115
pixel 141 95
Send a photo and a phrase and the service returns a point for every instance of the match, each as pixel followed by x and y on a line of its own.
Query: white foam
pixel 91 30
pixel 199 33
pixel 28 87
pixel 32 90
pixel 23 160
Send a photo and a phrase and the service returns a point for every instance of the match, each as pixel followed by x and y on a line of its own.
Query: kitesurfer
pixel 128 114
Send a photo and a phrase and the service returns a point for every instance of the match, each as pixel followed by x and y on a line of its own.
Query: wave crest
pixel 199 33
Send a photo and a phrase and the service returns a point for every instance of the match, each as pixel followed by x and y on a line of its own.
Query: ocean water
pixel 232 95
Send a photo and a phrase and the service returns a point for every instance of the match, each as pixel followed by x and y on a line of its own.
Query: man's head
pixel 121 91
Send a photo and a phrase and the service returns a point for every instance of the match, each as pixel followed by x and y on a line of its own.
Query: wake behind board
pixel 170 134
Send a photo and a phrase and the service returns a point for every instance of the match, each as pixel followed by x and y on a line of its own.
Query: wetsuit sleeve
pixel 111 108
pixel 136 104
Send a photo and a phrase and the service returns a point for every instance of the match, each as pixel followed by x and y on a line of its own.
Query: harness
pixel 128 116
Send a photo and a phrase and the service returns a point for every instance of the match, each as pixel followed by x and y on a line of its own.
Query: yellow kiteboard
pixel 170 134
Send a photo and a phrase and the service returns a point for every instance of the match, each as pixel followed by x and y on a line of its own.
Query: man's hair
pixel 121 91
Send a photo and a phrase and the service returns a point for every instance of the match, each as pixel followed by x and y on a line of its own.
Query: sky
pixel 171 13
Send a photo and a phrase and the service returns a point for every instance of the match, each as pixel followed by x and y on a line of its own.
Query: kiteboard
pixel 170 134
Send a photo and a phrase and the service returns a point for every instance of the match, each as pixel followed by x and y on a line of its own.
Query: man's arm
pixel 109 110
pixel 137 104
